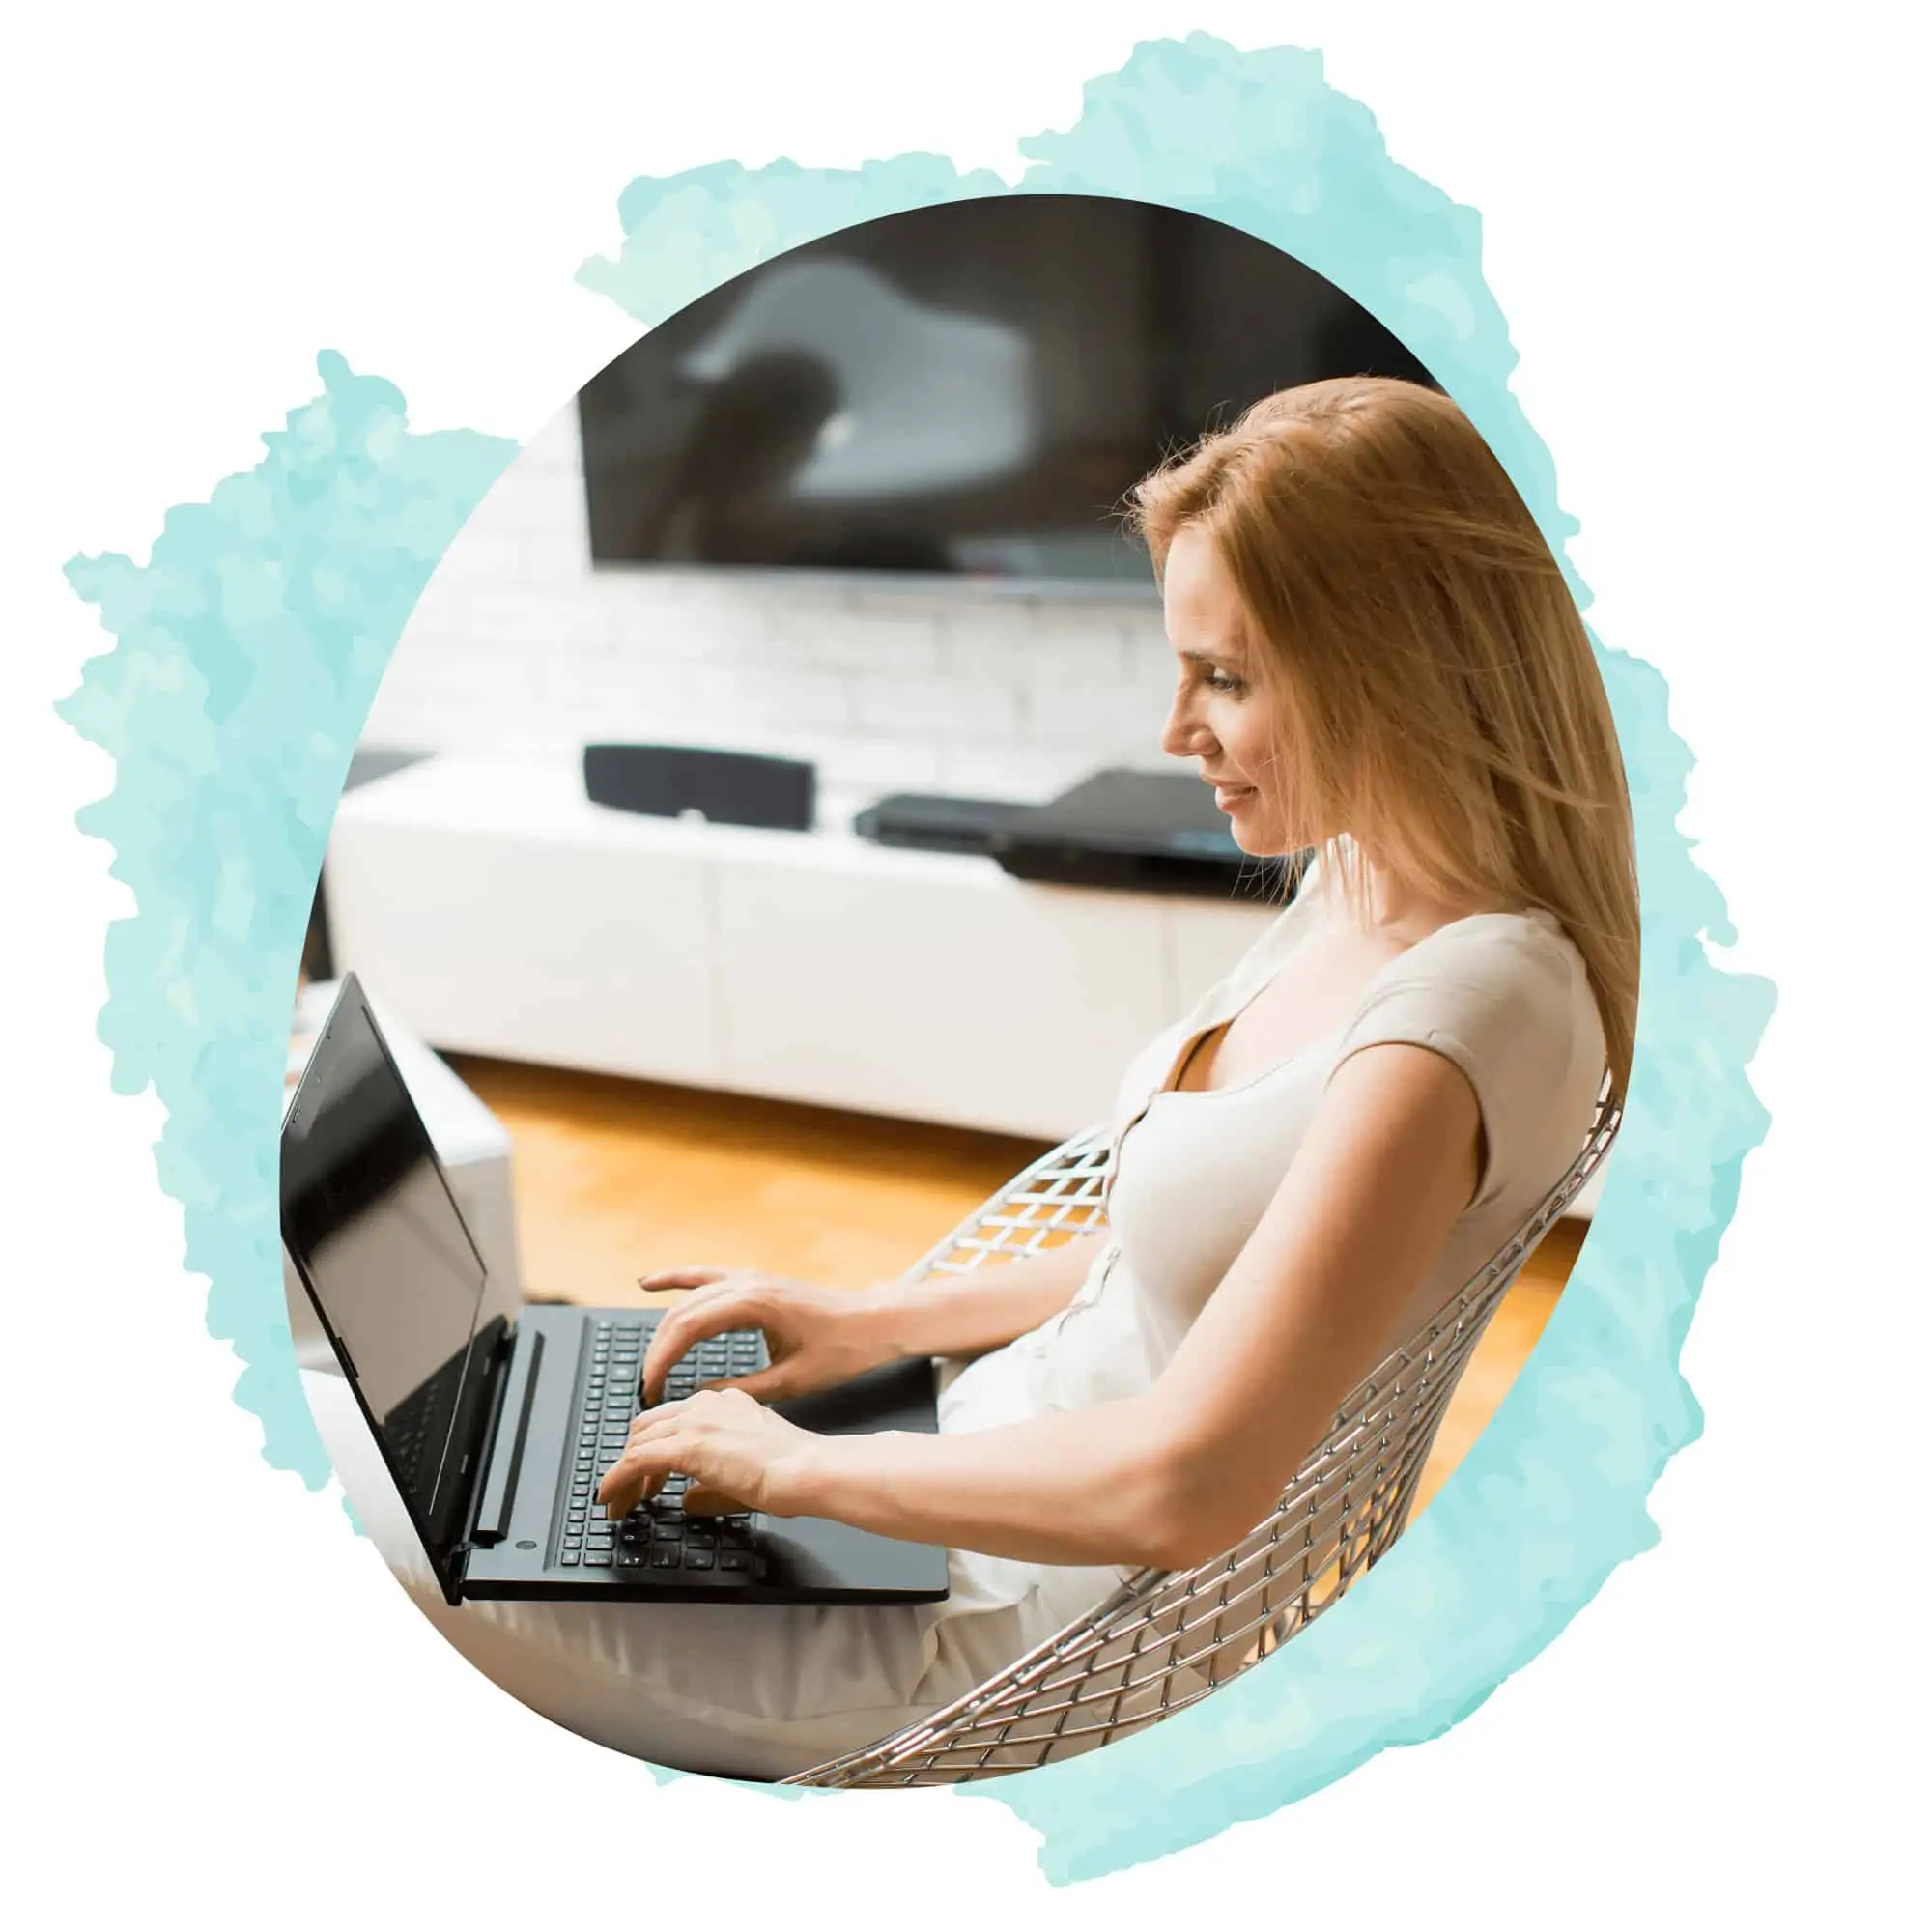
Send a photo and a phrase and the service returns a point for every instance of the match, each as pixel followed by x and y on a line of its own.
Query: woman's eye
pixel 1221 680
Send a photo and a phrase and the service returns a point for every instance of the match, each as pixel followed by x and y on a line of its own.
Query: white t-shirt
pixel 1505 996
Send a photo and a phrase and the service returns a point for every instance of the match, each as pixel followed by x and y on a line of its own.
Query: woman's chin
pixel 1256 841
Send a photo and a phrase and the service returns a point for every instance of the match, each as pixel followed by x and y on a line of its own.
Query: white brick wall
pixel 518 645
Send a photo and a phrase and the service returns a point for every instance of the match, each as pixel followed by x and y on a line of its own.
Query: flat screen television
pixel 961 391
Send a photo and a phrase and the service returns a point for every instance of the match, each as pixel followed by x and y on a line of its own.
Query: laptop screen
pixel 369 1219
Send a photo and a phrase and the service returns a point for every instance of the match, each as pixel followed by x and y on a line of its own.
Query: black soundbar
pixel 729 787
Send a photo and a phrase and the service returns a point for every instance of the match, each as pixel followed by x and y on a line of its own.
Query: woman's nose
pixel 1182 737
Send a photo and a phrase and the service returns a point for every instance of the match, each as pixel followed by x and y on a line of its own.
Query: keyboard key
pixel 625 1558
pixel 665 1559
pixel 569 1557
pixel 597 1559
pixel 699 1559
pixel 734 1559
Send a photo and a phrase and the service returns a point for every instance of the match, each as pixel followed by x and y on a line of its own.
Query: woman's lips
pixel 1228 796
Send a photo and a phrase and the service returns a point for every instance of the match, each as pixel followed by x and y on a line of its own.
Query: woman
pixel 1378 661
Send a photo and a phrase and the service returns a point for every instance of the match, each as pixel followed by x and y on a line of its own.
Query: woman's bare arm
pixel 820 1336
pixel 986 1307
pixel 1173 1476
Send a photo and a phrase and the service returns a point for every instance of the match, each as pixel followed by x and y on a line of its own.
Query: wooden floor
pixel 614 1179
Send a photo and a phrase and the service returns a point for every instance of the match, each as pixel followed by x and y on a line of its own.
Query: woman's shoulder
pixel 1509 988
pixel 1519 956
pixel 1506 997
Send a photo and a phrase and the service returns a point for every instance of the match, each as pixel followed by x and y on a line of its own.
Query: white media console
pixel 495 910
pixel 498 911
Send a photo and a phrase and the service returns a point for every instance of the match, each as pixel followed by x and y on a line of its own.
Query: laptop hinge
pixel 503 1458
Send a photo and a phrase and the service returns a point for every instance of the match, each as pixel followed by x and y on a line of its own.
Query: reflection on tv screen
pixel 964 389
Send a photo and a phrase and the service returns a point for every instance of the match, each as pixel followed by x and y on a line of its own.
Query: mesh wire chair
pixel 1165 1638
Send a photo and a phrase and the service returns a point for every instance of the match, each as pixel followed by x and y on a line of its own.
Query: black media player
pixel 1158 832
pixel 932 822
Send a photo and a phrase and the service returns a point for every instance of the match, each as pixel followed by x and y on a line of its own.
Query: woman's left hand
pixel 736 1452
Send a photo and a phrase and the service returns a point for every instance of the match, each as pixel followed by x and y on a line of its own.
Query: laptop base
pixel 793 1560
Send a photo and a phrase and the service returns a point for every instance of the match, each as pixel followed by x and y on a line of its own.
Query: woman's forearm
pixel 986 1307
pixel 1104 1485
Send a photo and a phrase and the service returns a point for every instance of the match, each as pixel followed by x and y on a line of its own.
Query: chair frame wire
pixel 1163 1640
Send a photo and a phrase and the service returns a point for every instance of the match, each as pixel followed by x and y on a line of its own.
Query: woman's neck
pixel 1392 908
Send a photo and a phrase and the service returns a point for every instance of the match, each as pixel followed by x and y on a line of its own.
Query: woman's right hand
pixel 814 1336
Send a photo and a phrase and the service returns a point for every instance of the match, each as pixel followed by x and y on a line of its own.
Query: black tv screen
pixel 962 390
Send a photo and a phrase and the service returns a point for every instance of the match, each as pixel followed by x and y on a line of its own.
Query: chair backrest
pixel 1168 1637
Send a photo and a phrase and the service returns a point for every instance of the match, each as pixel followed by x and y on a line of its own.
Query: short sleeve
pixel 1505 998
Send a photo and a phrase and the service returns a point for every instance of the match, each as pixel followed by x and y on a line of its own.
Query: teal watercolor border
pixel 246 655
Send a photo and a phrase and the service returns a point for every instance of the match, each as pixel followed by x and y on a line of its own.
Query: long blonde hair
pixel 1438 705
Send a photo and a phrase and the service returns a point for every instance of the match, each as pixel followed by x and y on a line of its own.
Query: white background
pixel 1701 234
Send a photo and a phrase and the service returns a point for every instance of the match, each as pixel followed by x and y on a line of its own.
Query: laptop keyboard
pixel 657 1535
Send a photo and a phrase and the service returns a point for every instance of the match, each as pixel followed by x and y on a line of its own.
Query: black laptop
pixel 498 1426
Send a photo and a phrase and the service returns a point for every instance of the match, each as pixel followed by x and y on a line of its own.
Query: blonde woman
pixel 1376 659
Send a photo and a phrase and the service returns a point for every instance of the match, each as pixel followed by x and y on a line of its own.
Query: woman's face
pixel 1218 717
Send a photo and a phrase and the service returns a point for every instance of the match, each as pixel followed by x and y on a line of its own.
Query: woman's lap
pixel 752 1691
